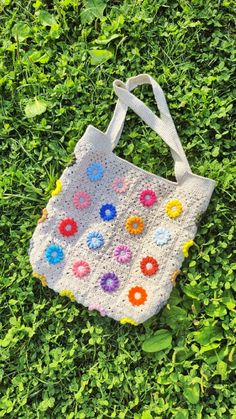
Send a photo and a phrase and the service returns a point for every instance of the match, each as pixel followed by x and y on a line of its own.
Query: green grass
pixel 58 360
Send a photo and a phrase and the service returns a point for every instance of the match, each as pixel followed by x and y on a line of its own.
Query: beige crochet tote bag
pixel 114 236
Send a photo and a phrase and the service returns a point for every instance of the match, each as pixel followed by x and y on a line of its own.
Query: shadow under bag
pixel 113 236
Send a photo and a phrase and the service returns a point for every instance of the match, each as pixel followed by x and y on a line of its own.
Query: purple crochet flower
pixel 122 253
pixel 109 282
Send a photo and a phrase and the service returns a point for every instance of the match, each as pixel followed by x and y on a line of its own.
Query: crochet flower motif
pixel 81 200
pixel 42 278
pixel 44 216
pixel 120 184
pixel 80 268
pixel 54 254
pixel 67 293
pixel 122 253
pixel 174 208
pixel 95 240
pixel 186 247
pixel 161 236
pixel 108 212
pixel 109 282
pixel 147 197
pixel 174 276
pixel 58 188
pixel 98 308
pixel 126 320
pixel 134 225
pixel 137 296
pixel 149 266
pixel 95 171
pixel 68 227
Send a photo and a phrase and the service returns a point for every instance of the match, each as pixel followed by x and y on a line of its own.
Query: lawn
pixel 58 60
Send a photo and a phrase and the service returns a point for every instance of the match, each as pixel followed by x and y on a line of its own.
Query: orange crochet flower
pixel 134 225
pixel 149 266
pixel 137 296
pixel 174 276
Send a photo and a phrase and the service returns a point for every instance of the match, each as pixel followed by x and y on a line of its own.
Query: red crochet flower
pixel 149 266
pixel 68 227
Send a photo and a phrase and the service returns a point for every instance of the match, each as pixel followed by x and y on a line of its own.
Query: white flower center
pixel 109 281
pixel 137 296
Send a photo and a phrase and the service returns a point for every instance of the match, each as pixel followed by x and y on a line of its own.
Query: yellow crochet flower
pixel 42 278
pixel 128 320
pixel 44 216
pixel 134 225
pixel 58 188
pixel 174 276
pixel 174 208
pixel 186 247
pixel 67 293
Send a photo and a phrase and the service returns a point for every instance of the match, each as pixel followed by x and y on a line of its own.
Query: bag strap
pixel 163 126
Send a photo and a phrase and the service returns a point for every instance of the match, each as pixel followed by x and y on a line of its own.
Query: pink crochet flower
pixel 122 253
pixel 81 200
pixel 81 268
pixel 97 307
pixel 147 197
pixel 120 184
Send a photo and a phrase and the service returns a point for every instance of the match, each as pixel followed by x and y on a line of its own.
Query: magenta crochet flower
pixel 81 268
pixel 122 253
pixel 109 282
pixel 81 199
pixel 120 184
pixel 147 197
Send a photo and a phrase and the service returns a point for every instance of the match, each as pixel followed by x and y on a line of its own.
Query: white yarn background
pixel 194 192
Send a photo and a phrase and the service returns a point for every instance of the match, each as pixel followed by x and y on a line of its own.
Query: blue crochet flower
pixel 95 171
pixel 161 236
pixel 54 254
pixel 108 212
pixel 95 240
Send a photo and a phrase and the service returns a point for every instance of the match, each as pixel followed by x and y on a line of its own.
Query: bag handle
pixel 163 126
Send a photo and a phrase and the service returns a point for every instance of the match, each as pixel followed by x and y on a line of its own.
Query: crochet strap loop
pixel 163 126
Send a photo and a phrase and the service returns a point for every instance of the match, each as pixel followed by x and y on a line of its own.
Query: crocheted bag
pixel 114 236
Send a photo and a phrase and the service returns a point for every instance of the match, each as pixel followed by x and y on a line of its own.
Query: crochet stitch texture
pixel 114 236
